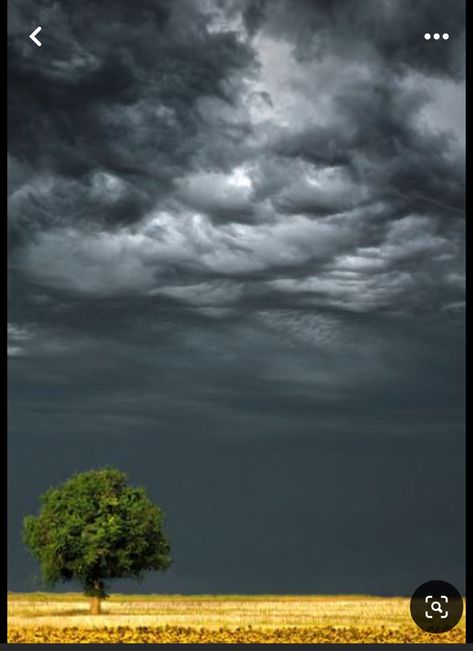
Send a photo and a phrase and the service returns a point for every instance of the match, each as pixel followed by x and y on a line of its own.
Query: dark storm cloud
pixel 119 100
pixel 169 129
pixel 377 29
pixel 236 228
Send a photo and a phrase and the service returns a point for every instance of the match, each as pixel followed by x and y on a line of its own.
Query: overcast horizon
pixel 236 272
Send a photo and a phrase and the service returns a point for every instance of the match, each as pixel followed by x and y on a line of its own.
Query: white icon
pixel 436 606
pixel 33 36
pixel 436 36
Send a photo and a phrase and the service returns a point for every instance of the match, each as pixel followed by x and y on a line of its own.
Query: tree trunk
pixel 95 606
pixel 97 595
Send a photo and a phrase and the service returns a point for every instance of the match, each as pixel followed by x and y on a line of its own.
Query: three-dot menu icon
pixel 436 36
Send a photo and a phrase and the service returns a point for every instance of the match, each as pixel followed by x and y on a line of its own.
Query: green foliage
pixel 94 527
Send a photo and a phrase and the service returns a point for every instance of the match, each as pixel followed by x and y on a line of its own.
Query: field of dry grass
pixel 252 619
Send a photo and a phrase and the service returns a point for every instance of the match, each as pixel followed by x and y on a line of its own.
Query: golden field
pixel 64 618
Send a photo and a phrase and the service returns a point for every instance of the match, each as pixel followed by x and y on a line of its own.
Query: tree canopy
pixel 94 527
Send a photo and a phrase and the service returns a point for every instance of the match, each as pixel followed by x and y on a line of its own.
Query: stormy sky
pixel 236 271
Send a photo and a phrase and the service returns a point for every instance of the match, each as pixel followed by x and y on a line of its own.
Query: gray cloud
pixel 213 138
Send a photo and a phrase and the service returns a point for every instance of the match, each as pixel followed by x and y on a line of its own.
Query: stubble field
pixel 64 618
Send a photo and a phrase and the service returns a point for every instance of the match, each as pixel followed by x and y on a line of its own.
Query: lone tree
pixel 95 527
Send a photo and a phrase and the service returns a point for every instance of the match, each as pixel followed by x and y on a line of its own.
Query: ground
pixel 64 618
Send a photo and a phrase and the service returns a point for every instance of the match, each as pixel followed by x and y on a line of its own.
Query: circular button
pixel 436 606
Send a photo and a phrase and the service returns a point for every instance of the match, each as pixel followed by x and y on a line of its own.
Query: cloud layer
pixel 305 160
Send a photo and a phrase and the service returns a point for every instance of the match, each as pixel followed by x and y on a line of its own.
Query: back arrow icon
pixel 33 36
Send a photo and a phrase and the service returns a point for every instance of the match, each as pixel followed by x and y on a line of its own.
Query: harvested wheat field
pixel 64 618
